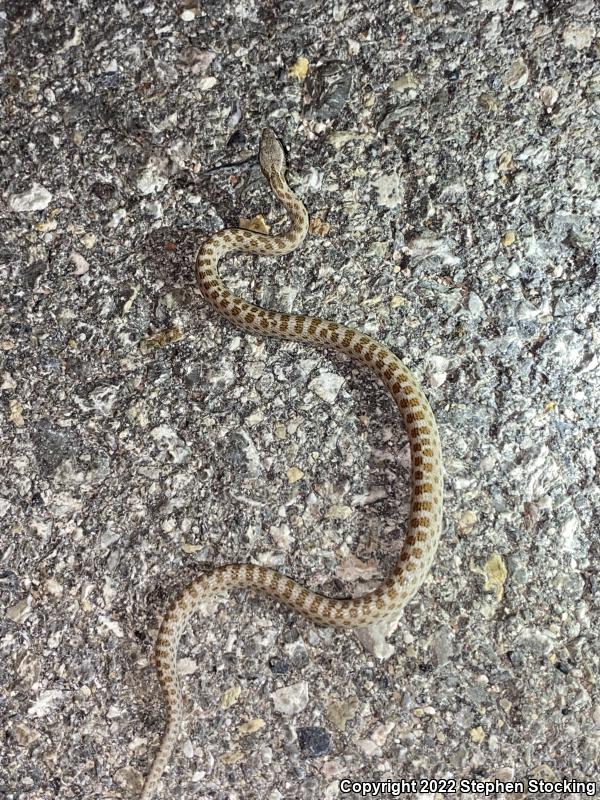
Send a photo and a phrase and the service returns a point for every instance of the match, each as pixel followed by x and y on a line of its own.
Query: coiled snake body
pixel 425 518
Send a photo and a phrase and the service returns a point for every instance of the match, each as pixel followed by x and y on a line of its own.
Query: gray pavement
pixel 448 155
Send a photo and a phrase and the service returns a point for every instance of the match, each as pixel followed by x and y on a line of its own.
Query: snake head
pixel 271 154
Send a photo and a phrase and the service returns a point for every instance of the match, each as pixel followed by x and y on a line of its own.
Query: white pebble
pixel 578 36
pixel 475 305
pixel 326 386
pixel 151 180
pixel 291 699
pixel 389 193
pixel 81 265
pixel 35 199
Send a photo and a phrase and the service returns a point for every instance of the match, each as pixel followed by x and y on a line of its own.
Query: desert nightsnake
pixel 425 519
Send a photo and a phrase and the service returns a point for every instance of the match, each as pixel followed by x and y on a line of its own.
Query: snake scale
pixel 425 518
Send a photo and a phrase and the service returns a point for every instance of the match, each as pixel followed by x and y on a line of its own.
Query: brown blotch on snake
pixel 426 499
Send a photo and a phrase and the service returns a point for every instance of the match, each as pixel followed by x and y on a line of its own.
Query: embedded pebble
pixel 338 511
pixel 314 741
pixel 252 726
pixel 517 75
pixel 37 198
pixel 230 697
pixel 171 443
pixel 548 96
pixel 578 36
pixel 475 305
pixel 152 179
pixel 340 712
pixel 25 735
pixel 404 83
pixel 291 699
pixel 294 475
pixel 389 190
pixel 437 368
pixel 326 386
pixel 374 638
pixel 20 611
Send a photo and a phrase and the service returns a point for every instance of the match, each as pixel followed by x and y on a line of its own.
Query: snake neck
pixel 237 240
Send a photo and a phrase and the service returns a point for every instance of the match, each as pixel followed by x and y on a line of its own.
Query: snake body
pixel 425 518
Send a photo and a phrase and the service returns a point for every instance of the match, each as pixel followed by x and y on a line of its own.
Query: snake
pixel 425 515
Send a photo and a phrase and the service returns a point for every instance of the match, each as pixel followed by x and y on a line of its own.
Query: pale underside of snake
pixel 425 518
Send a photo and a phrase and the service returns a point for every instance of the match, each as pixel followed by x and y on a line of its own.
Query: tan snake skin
pixel 425 520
